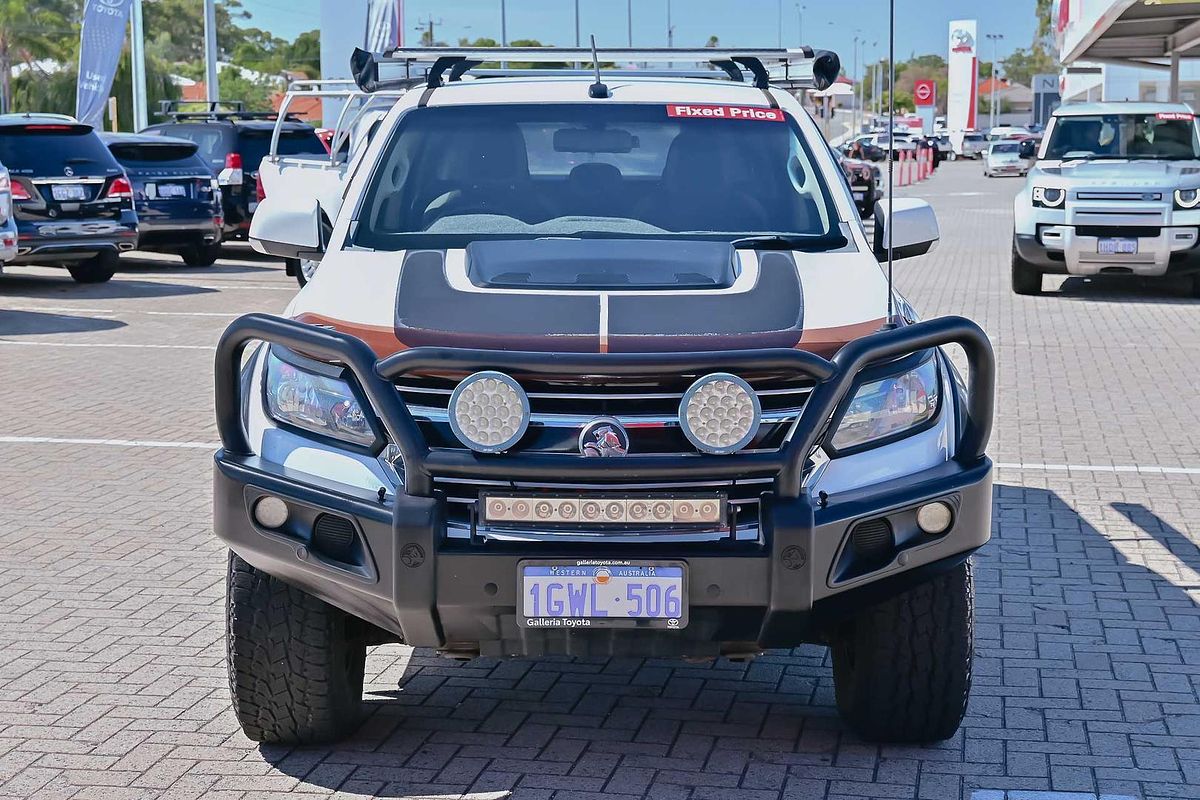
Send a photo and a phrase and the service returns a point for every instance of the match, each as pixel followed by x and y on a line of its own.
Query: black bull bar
pixel 834 379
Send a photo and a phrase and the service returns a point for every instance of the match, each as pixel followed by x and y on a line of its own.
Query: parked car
pixel 1115 190
pixel 73 202
pixel 1004 158
pixel 560 385
pixel 8 221
pixel 177 198
pixel 233 143
pixel 866 147
pixel 975 145
pixel 1002 132
pixel 864 180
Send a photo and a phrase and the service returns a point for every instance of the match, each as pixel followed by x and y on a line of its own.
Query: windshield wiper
pixel 776 241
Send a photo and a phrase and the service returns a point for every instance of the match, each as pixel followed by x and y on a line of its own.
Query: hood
pixel 1124 174
pixel 606 296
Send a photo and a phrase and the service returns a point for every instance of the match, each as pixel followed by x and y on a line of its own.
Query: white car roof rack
pixel 355 104
pixel 431 67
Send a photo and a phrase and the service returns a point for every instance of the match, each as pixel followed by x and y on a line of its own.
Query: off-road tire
pixel 1026 278
pixel 296 663
pixel 902 668
pixel 97 269
pixel 201 255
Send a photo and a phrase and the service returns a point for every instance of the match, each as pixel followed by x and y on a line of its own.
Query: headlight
pixel 489 412
pixel 1187 199
pixel 316 403
pixel 886 408
pixel 720 414
pixel 1046 197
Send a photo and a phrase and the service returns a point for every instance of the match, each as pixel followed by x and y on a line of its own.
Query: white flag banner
pixel 962 95
pixel 383 25
pixel 101 40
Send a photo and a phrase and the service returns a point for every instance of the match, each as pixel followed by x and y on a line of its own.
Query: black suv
pixel 233 143
pixel 72 201
pixel 177 198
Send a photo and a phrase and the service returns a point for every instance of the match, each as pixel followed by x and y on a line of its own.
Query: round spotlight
pixel 720 414
pixel 489 412
pixel 935 518
pixel 270 512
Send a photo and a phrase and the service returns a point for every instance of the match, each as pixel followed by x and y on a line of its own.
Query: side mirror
pixel 1028 149
pixel 912 224
pixel 287 227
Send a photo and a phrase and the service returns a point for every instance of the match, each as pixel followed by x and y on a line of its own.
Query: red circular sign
pixel 923 92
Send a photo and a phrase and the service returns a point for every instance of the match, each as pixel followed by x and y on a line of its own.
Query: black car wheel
pixel 296 663
pixel 97 269
pixel 201 255
pixel 902 668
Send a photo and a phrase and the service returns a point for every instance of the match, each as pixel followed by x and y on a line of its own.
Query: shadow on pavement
pixel 132 265
pixel 1122 288
pixel 1067 628
pixel 16 285
pixel 18 323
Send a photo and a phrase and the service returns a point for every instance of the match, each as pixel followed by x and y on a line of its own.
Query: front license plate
pixel 603 594
pixel 1110 247
pixel 859 195
pixel 68 192
pixel 171 190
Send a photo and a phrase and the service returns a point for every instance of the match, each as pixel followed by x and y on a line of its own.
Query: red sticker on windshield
pixel 1175 115
pixel 725 112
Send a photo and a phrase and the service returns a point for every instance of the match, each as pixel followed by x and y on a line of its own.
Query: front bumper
pixel 404 575
pixel 1066 249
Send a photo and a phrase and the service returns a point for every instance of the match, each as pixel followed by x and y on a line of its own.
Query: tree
pixel 1023 64
pixel 29 31
pixel 713 41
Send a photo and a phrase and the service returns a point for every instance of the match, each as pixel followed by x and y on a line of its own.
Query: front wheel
pixel 201 255
pixel 296 663
pixel 902 668
pixel 1026 278
pixel 97 269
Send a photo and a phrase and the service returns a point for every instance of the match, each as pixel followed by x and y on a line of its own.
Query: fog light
pixel 720 414
pixel 935 518
pixel 489 412
pixel 270 512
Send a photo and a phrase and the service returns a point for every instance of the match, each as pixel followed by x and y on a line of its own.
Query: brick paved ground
pixel 112 682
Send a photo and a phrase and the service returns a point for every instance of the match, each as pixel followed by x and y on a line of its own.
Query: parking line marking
pixel 1141 469
pixel 113 344
pixel 109 442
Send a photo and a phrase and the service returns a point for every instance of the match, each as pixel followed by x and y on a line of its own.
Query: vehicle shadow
pixel 31 286
pixel 24 323
pixel 1126 288
pixel 1069 621
pixel 133 265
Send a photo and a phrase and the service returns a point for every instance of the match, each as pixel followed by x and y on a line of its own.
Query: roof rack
pixel 355 105
pixel 233 109
pixel 803 68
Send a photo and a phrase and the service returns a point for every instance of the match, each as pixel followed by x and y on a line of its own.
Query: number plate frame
pixel 1117 246
pixel 585 623
pixel 68 193
pixel 178 190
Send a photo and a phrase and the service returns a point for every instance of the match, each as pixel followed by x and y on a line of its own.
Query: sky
pixel 921 25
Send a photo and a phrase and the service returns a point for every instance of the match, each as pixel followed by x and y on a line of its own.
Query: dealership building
pixel 1129 50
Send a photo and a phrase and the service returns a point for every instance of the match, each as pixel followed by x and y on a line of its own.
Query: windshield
pixel 1168 135
pixel 452 175
pixel 1006 147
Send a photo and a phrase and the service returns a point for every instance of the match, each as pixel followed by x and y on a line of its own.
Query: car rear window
pixel 42 150
pixel 154 154
pixel 255 144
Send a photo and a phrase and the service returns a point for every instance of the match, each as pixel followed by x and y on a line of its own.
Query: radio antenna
pixel 597 89
pixel 891 155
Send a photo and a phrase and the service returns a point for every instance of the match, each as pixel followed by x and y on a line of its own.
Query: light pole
pixel 800 23
pixel 780 29
pixel 212 90
pixel 854 76
pixel 670 27
pixel 503 24
pixel 629 20
pixel 995 38
pixel 137 54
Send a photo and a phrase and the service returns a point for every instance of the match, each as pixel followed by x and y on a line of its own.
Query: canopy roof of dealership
pixel 1145 33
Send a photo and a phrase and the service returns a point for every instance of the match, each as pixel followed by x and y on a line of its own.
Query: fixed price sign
pixel 748 113
pixel 924 92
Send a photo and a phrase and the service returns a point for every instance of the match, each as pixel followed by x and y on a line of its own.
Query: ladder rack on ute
pixel 432 67
pixel 216 110
pixel 355 104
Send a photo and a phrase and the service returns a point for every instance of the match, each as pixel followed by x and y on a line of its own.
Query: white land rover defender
pixel 1115 191
pixel 596 362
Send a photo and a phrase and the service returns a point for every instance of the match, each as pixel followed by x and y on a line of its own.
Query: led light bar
pixel 603 509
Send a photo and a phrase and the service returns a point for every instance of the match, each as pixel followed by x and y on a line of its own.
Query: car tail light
pixel 260 193
pixel 19 192
pixel 119 189
pixel 232 174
